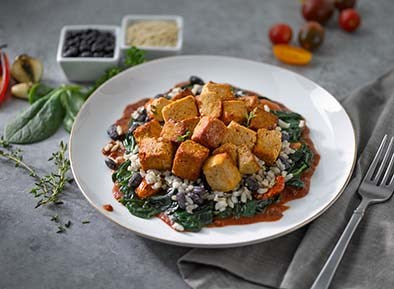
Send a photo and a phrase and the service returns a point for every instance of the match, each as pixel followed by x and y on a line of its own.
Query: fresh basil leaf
pixel 38 91
pixel 38 122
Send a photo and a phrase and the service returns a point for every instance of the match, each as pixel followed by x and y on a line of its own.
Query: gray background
pixel 102 254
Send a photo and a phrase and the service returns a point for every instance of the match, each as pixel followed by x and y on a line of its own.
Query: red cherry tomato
pixel 318 10
pixel 280 33
pixel 349 20
pixel 344 4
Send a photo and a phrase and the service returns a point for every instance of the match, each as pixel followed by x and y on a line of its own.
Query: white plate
pixel 331 131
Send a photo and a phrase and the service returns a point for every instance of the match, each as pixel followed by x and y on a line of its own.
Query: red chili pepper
pixel 5 76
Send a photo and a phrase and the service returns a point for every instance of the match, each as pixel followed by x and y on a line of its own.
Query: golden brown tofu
pixel 269 143
pixel 190 123
pixel 239 135
pixel 221 173
pixel 223 90
pixel 180 109
pixel 209 104
pixel 228 148
pixel 154 107
pixel 149 129
pixel 251 102
pixel 234 110
pixel 156 154
pixel 189 159
pixel 144 190
pixel 209 132
pixel 263 119
pixel 172 130
pixel 247 163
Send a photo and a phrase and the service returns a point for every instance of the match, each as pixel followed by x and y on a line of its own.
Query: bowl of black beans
pixel 85 52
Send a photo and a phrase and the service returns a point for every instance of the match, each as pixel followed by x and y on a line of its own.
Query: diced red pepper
pixel 276 189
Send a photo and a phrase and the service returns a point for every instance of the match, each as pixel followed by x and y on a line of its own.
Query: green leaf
pixel 72 100
pixel 37 122
pixel 201 217
pixel 38 91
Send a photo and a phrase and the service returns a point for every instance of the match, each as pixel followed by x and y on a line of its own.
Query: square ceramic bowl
pixel 152 51
pixel 86 69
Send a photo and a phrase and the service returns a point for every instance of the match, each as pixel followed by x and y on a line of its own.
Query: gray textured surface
pixel 101 254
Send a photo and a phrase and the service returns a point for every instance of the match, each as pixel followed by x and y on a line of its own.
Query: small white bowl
pixel 85 69
pixel 152 51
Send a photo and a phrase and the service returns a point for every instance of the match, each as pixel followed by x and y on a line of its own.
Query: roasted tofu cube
pixel 238 135
pixel 154 108
pixel 247 162
pixel 263 119
pixel 189 159
pixel 234 110
pixel 149 129
pixel 180 109
pixel 209 104
pixel 190 123
pixel 221 173
pixel 223 90
pixel 251 101
pixel 209 132
pixel 144 190
pixel 172 130
pixel 228 148
pixel 269 143
pixel 156 154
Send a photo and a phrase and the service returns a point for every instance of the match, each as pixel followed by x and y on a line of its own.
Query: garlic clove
pixel 21 90
pixel 27 69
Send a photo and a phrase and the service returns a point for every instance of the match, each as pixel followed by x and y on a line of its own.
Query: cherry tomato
pixel 292 55
pixel 318 10
pixel 280 33
pixel 349 20
pixel 344 4
pixel 311 35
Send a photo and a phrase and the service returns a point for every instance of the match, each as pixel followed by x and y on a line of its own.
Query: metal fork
pixel 376 187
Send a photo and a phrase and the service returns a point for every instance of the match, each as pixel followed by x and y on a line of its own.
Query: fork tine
pixel 375 161
pixel 388 171
pixel 384 161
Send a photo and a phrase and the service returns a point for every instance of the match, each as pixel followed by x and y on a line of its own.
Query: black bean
pixel 84 46
pixel 252 184
pixel 98 54
pixel 97 47
pixel 109 48
pixel 142 116
pixel 71 52
pixel 196 80
pixel 135 180
pixel 111 163
pixel 112 132
pixel 181 199
pixel 133 127
pixel 86 54
pixel 285 135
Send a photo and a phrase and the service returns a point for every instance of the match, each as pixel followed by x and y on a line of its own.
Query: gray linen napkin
pixel 293 261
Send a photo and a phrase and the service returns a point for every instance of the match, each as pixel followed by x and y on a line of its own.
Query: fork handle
pixel 325 276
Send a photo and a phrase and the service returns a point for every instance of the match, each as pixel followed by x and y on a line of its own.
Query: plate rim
pixel 198 245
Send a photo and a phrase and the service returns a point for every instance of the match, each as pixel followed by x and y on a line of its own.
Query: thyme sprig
pixel 49 187
pixel 184 137
pixel 251 115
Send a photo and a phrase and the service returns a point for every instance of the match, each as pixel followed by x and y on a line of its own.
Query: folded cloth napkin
pixel 293 261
